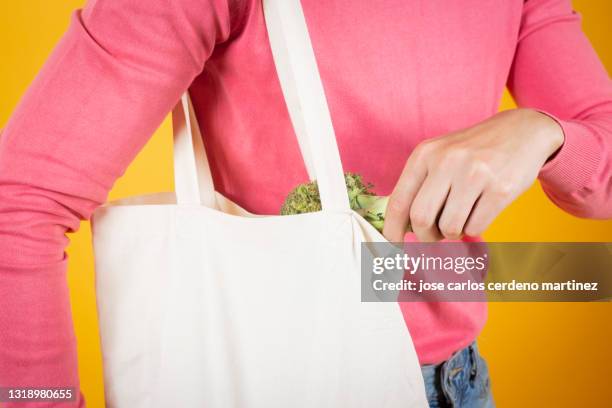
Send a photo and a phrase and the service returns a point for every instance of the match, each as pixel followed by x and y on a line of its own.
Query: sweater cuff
pixel 573 166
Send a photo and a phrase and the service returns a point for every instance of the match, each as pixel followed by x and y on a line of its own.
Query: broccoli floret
pixel 305 198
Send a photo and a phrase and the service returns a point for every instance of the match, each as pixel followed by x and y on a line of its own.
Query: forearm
pixel 37 343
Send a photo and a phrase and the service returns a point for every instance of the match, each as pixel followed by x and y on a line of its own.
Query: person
pixel 413 89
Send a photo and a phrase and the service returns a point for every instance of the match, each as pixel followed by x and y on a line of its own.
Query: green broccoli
pixel 305 198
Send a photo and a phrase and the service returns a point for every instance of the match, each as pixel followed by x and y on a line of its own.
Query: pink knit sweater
pixel 395 73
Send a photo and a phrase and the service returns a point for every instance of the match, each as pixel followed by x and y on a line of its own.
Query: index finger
pixel 397 216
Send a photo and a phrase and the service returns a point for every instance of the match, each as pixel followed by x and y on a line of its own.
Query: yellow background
pixel 540 355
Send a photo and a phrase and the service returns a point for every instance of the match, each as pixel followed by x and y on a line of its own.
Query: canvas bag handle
pixel 193 181
pixel 305 98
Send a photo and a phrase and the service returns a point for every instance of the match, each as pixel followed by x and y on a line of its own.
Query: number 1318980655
pixel 22 394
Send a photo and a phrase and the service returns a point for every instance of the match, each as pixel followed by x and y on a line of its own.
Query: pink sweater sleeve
pixel 108 84
pixel 557 72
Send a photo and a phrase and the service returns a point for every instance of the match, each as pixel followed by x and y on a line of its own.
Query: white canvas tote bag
pixel 202 304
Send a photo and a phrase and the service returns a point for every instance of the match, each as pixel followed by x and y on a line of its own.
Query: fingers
pixel 427 205
pixel 463 195
pixel 397 216
pixel 492 201
pixel 452 186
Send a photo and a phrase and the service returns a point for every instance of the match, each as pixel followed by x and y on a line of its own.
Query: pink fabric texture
pixel 395 73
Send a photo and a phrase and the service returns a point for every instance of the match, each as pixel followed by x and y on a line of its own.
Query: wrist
pixel 548 132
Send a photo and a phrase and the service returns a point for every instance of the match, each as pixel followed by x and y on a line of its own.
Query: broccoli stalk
pixel 372 208
pixel 305 198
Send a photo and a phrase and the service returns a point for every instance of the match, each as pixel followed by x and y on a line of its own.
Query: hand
pixel 458 183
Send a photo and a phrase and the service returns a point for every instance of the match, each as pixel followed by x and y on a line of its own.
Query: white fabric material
pixel 306 102
pixel 202 304
pixel 192 178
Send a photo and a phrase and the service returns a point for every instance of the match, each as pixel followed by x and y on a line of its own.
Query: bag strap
pixel 305 98
pixel 193 181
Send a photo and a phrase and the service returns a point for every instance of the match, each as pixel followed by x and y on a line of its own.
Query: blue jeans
pixel 462 381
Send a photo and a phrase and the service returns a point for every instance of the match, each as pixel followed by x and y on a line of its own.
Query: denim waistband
pixel 459 359
pixel 460 381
